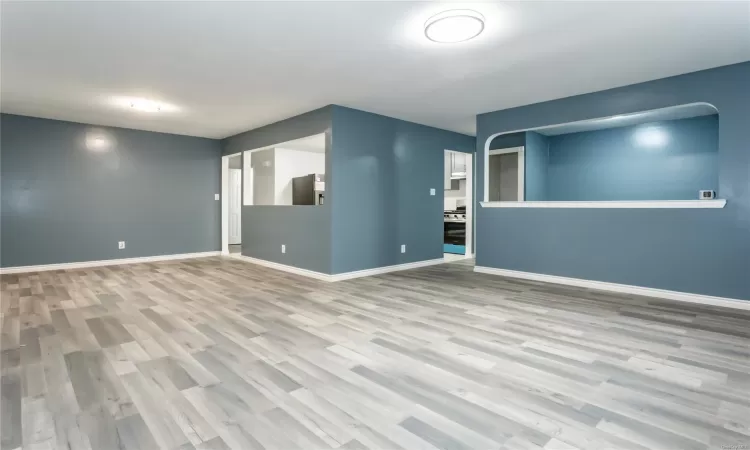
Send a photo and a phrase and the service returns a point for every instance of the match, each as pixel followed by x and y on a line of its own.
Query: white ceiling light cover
pixel 456 25
pixel 144 105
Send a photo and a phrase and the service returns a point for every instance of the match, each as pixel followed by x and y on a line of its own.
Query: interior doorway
pixel 235 203
pixel 505 175
pixel 458 205
pixel 231 203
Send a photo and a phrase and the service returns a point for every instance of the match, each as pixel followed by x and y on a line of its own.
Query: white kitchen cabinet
pixel 459 164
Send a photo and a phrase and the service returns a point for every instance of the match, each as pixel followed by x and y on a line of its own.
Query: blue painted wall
pixel 535 166
pixel 508 141
pixel 704 251
pixel 64 202
pixel 305 230
pixel 383 171
pixel 612 165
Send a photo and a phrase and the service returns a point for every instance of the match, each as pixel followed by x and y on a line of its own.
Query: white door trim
pixel 235 205
pixel 469 204
pixel 225 204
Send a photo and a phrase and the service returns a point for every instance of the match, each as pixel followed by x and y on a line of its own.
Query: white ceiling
pixel 227 67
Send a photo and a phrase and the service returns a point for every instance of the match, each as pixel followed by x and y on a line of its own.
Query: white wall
pixel 263 177
pixel 291 164
pixel 247 178
pixel 452 196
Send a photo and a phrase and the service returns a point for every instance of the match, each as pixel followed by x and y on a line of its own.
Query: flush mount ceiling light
pixel 456 25
pixel 143 105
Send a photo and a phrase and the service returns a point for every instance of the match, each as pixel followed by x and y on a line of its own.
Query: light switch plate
pixel 403 248
pixel 432 191
pixel 217 197
pixel 121 245
pixel 283 248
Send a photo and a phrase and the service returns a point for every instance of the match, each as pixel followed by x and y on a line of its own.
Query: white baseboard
pixel 386 269
pixel 286 268
pixel 339 276
pixel 621 288
pixel 106 262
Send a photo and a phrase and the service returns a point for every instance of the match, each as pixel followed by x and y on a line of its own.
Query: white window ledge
pixel 655 204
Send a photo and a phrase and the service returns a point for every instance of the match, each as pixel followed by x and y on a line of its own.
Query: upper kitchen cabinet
pixel 455 169
pixel 458 165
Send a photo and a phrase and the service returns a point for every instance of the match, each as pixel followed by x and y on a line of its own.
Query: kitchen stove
pixel 454 216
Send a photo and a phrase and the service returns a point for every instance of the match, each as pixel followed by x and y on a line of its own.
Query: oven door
pixel 454 237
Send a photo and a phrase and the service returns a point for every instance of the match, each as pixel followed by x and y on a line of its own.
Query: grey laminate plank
pixel 11 426
pixel 432 435
pixel 217 353
pixel 134 434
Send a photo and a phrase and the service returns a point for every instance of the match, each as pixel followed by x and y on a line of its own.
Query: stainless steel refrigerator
pixel 309 189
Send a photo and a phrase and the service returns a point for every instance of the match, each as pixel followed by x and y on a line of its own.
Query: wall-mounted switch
pixel 403 248
pixel 432 191
pixel 121 245
pixel 283 248
pixel 217 197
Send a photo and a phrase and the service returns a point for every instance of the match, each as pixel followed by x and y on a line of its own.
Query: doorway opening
pixel 234 204
pixel 505 170
pixel 458 205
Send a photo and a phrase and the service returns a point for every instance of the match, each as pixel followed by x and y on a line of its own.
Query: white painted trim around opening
pixel 634 204
pixel 469 232
pixel 339 276
pixel 225 204
pixel 621 288
pixel 106 262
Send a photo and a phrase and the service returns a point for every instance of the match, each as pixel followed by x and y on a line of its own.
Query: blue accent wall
pixel 508 141
pixel 703 251
pixel 536 165
pixel 612 164
pixel 63 201
pixel 383 171
pixel 305 230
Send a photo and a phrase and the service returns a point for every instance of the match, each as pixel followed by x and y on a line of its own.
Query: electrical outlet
pixel 217 197
pixel 432 191
pixel 283 248
pixel 403 248
pixel 121 245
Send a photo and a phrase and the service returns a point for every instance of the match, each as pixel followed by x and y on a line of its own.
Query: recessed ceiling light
pixel 142 104
pixel 456 25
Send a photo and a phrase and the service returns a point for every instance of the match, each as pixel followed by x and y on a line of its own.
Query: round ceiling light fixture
pixel 456 25
pixel 145 105
pixel 142 105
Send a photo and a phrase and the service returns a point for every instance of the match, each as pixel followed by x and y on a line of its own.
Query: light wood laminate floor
pixel 216 353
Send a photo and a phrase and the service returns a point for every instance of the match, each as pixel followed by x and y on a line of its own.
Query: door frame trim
pixel 225 204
